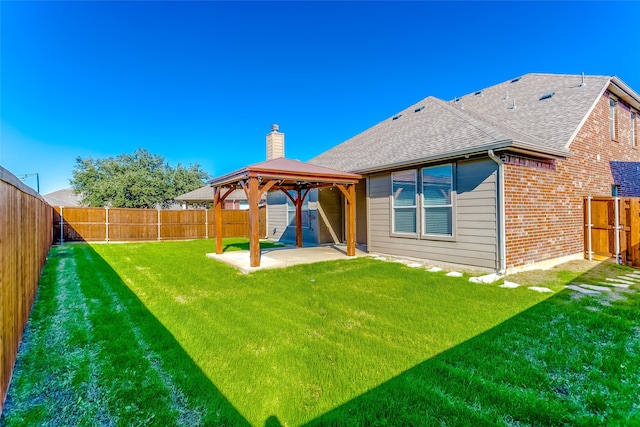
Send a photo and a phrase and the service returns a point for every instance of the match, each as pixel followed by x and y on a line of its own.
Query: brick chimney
pixel 275 143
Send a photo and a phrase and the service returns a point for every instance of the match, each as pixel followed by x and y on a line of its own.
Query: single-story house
pixel 494 179
pixel 64 197
pixel 204 197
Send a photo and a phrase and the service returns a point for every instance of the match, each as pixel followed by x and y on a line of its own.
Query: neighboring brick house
pixel 494 179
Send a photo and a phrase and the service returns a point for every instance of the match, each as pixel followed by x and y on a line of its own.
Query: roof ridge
pixel 511 80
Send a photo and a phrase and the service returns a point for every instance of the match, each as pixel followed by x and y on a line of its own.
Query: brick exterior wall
pixel 544 208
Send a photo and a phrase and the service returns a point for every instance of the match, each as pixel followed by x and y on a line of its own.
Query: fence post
pixel 158 224
pixel 616 229
pixel 61 226
pixel 106 223
pixel 206 223
pixel 589 227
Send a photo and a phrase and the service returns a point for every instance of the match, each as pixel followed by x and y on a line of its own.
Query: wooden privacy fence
pixel 25 239
pixel 612 228
pixel 120 224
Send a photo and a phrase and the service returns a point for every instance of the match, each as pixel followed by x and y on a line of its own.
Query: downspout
pixel 502 247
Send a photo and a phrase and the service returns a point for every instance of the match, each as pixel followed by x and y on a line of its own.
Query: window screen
pixel 437 188
pixel 404 202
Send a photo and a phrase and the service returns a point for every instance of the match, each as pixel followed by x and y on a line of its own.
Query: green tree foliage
pixel 138 180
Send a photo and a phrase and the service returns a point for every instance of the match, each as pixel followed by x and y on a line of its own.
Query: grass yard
pixel 158 334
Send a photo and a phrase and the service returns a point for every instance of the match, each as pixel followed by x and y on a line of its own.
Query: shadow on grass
pixel 143 375
pixel 564 361
pixel 549 365
pixel 241 244
pixel 199 393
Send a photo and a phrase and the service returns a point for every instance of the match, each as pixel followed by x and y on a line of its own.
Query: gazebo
pixel 288 176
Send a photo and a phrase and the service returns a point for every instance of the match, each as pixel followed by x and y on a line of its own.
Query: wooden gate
pixel 612 228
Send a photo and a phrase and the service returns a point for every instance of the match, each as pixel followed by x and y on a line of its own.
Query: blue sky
pixel 202 82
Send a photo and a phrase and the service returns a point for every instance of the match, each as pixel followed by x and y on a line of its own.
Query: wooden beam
pixel 266 187
pixel 226 194
pixel 347 192
pixel 254 222
pixel 350 196
pixel 286 192
pixel 217 217
pixel 306 192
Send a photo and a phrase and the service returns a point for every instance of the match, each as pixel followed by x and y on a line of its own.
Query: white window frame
pixel 394 232
pixel 451 205
pixel 632 131
pixel 613 129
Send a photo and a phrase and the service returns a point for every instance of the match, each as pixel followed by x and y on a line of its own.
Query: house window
pixel 291 210
pixel 632 135
pixel 437 190
pixel 404 202
pixel 612 118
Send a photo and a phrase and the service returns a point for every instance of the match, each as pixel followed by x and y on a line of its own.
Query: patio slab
pixel 285 256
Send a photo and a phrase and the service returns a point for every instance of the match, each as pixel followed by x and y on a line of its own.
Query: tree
pixel 138 180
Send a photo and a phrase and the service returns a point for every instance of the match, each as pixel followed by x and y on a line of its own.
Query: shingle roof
pixel 554 120
pixel 433 129
pixel 64 197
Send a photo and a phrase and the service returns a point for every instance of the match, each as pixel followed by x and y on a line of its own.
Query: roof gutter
pixel 625 92
pixel 502 233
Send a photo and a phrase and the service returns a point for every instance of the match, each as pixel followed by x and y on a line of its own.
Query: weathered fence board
pixel 612 228
pixel 120 224
pixel 25 239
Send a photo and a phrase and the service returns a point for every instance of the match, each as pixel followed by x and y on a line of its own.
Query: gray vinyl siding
pixel 276 214
pixel 278 227
pixel 361 212
pixel 476 218
pixel 330 216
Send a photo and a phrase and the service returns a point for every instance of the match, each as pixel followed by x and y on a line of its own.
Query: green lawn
pixel 158 334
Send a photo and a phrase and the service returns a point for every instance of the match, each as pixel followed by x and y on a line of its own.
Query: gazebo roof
pixel 288 171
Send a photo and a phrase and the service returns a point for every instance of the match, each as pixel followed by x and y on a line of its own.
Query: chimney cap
pixel 275 128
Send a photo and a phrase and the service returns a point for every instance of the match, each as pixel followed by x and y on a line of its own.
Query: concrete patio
pixel 285 256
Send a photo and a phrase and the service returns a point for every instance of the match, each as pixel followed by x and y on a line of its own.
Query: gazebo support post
pixel 217 216
pixel 349 192
pixel 218 199
pixel 254 222
pixel 299 217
